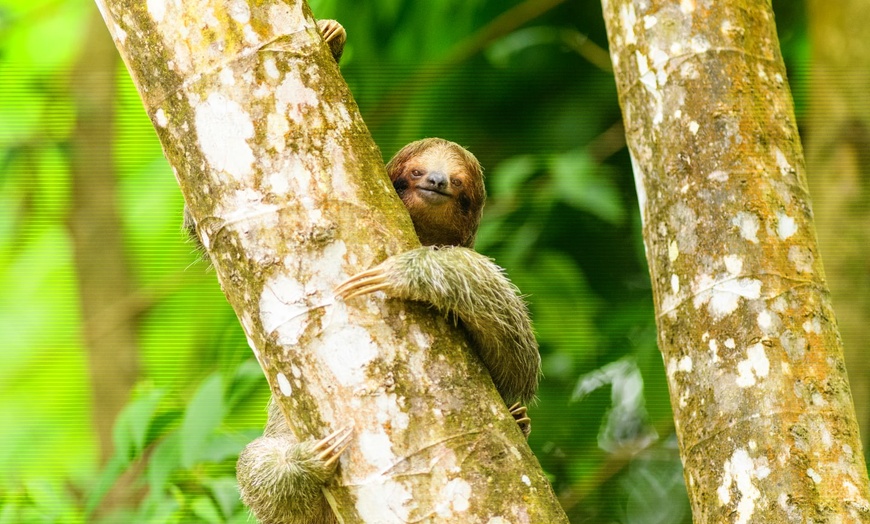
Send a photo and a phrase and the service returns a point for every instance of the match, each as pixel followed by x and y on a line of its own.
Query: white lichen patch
pixel 813 325
pixel 723 297
pixel 526 480
pixel 454 498
pixel 160 118
pixel 419 338
pixel 628 18
pixel 391 410
pixel 223 128
pixel 802 258
pixel 785 225
pixel 284 19
pixel 639 186
pixel 347 350
pixel 764 320
pixel 284 385
pixel 739 474
pixel 782 162
pixel 292 96
pixel 341 186
pixel 811 473
pixel 718 176
pixel 687 6
pixel 157 9
pixel 282 305
pixel 755 366
pixel 693 127
pixel 714 350
pixel 673 250
pixel 370 500
pixel 376 448
pixel 748 224
pixel 271 68
pixel 120 34
pixel 226 77
pixel 239 11
pixel 675 283
pixel 699 45
pixel 730 344
pixel 733 264
pixel 685 364
pixel 253 346
pixel 795 346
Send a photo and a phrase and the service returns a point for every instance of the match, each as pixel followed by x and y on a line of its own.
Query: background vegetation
pixel 527 89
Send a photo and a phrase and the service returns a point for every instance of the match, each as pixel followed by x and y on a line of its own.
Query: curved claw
pixel 362 284
pixel 333 445
pixel 334 35
pixel 519 413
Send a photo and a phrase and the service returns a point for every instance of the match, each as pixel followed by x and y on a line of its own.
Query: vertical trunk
pixel 762 407
pixel 101 267
pixel 838 157
pixel 290 197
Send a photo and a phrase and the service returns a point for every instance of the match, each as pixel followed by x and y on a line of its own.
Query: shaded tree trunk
pixel 838 158
pixel 290 197
pixel 101 266
pixel 755 368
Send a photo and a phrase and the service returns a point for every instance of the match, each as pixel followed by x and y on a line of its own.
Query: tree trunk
pixel 290 197
pixel 101 266
pixel 838 156
pixel 761 402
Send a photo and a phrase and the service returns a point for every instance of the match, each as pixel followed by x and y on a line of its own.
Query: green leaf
pixel 165 460
pixel 203 416
pixel 226 493
pixel 563 309
pixel 248 377
pixel 509 175
pixel 586 185
pixel 131 428
pixel 223 446
pixel 204 508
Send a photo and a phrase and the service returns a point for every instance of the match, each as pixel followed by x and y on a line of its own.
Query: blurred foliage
pixel 534 100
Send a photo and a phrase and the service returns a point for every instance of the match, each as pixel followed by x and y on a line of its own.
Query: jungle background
pixel 126 386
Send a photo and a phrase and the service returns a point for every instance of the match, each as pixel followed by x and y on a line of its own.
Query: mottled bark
pixel 838 160
pixel 290 196
pixel 762 407
pixel 101 267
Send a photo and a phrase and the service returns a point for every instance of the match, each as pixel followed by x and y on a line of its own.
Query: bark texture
pixel 102 270
pixel 762 406
pixel 838 158
pixel 291 197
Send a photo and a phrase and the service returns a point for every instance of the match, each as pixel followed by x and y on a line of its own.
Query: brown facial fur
pixel 441 184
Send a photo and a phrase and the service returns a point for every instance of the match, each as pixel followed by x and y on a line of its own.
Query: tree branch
pixel 290 197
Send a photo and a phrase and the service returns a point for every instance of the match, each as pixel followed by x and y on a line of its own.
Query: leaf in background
pixel 131 428
pixel 563 309
pixel 248 376
pixel 226 493
pixel 500 52
pixel 586 185
pixel 511 174
pixel 655 491
pixel 165 459
pixel 204 508
pixel 223 446
pixel 203 416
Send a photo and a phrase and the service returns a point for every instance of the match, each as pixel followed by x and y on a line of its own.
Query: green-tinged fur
pixel 281 479
pixel 463 282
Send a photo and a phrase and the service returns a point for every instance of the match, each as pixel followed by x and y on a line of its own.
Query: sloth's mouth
pixel 432 192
